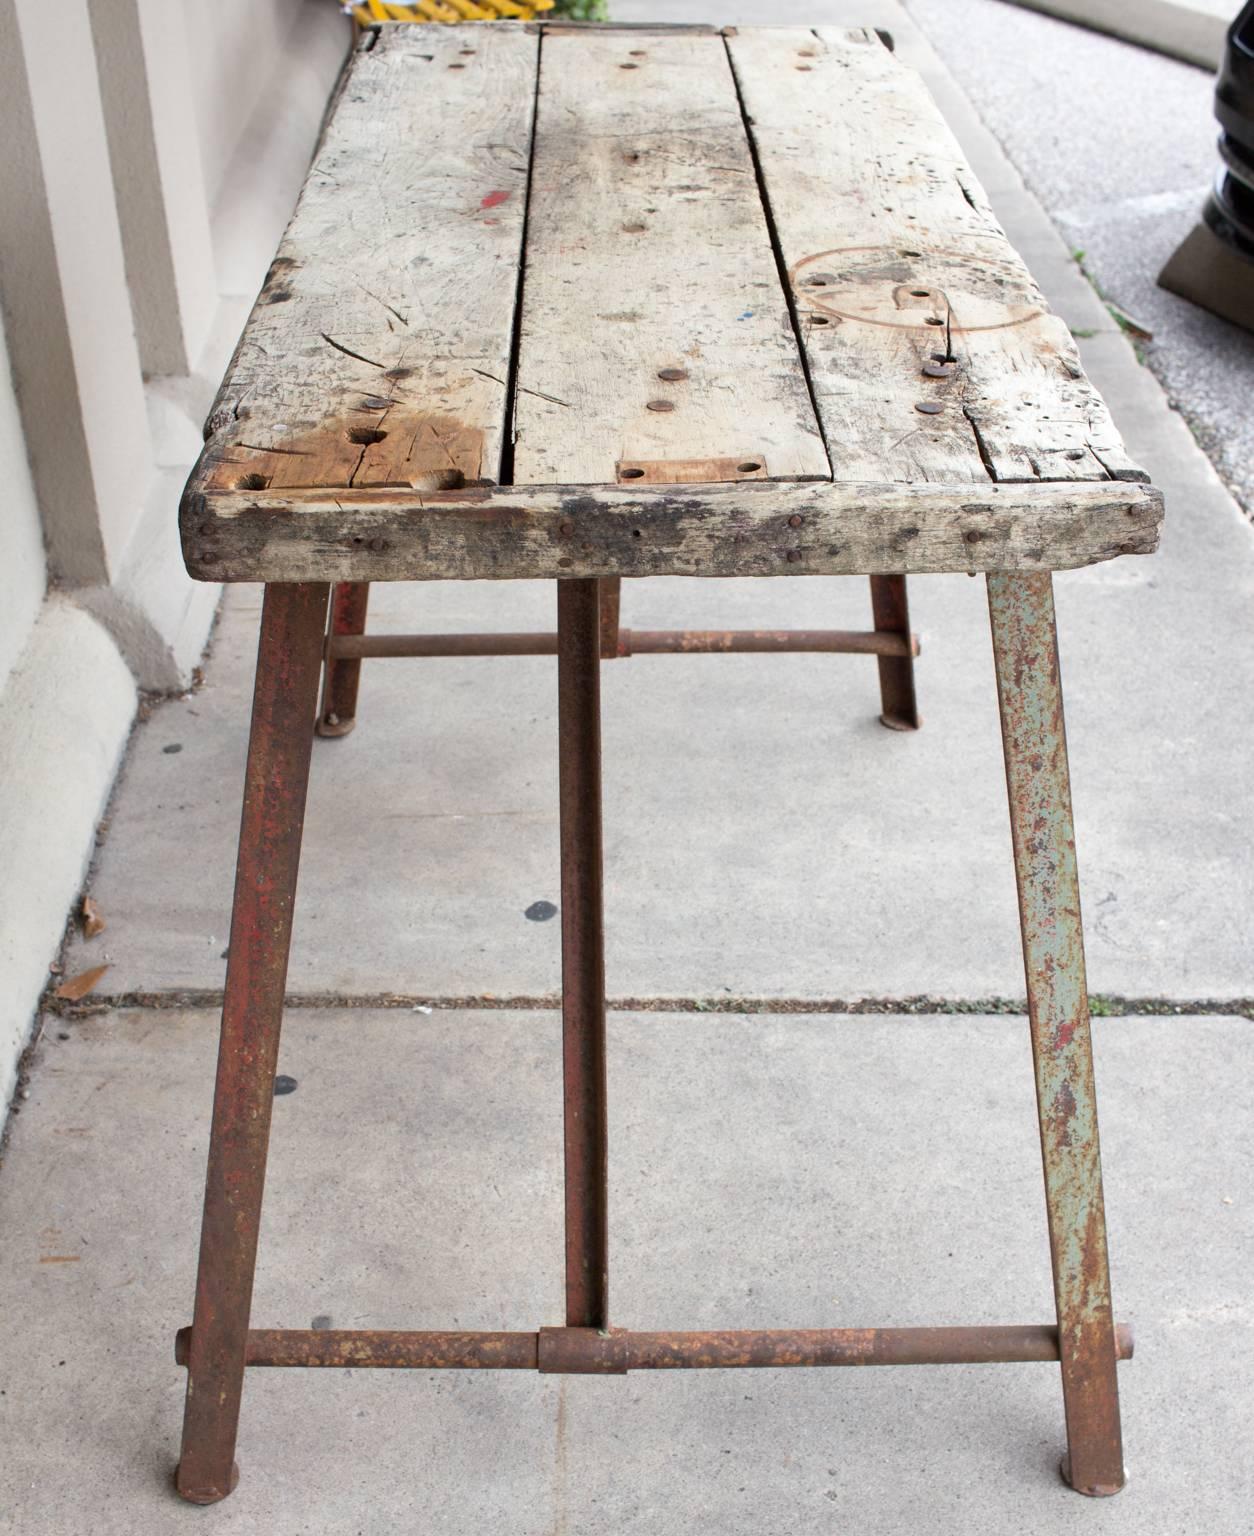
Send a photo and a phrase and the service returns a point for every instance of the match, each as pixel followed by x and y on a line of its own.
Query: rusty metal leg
pixel 285 695
pixel 611 602
pixel 337 714
pixel 891 611
pixel 1030 696
pixel 583 952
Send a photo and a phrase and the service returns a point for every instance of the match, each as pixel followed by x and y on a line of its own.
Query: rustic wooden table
pixel 591 303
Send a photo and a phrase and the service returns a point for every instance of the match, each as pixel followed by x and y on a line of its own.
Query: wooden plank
pixel 654 325
pixel 897 262
pixel 379 350
pixel 745 528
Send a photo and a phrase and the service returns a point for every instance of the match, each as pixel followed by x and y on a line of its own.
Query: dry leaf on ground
pixel 79 986
pixel 89 915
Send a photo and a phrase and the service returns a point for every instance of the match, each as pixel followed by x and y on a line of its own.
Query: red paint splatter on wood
pixel 494 199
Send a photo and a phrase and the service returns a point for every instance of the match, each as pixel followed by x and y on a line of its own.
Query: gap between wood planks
pixel 505 469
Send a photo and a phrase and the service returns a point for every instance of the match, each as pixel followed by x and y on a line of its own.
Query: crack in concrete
pixel 1101 1005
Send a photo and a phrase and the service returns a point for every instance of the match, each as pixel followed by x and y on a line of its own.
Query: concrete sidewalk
pixel 769 848
pixel 877 1170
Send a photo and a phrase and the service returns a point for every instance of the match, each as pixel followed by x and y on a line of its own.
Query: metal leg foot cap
pixel 901 722
pixel 332 725
pixel 1094 1490
pixel 206 1496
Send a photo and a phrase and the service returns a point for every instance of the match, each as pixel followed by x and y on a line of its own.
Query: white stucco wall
pixel 22 573
pixel 237 46
pixel 153 150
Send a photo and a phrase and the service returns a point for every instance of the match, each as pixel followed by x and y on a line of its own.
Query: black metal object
pixel 1215 265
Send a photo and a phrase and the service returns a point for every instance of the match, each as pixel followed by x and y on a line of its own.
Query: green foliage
pixel 582 10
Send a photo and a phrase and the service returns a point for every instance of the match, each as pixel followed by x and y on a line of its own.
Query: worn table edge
pixel 746 528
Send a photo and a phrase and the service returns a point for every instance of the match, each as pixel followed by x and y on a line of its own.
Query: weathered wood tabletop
pixel 571 301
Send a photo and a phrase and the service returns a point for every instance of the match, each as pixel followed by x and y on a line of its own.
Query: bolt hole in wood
pixel 251 483
pixel 364 436
pixel 751 466
pixel 440 480
pixel 629 66
pixel 819 320
pixel 933 320
pixel 920 293
pixel 632 474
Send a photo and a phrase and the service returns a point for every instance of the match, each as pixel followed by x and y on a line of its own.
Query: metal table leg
pixel 337 714
pixel 277 776
pixel 891 610
pixel 1030 696
pixel 583 952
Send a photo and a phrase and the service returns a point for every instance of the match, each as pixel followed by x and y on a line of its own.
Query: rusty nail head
pixel 672 375
pixel 660 405
pixel 795 520
pixel 794 555
pixel 938 370
pixel 973 536
pixel 929 407
pixel 566 530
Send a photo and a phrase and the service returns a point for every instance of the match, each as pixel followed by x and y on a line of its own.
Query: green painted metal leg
pixel 1021 607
